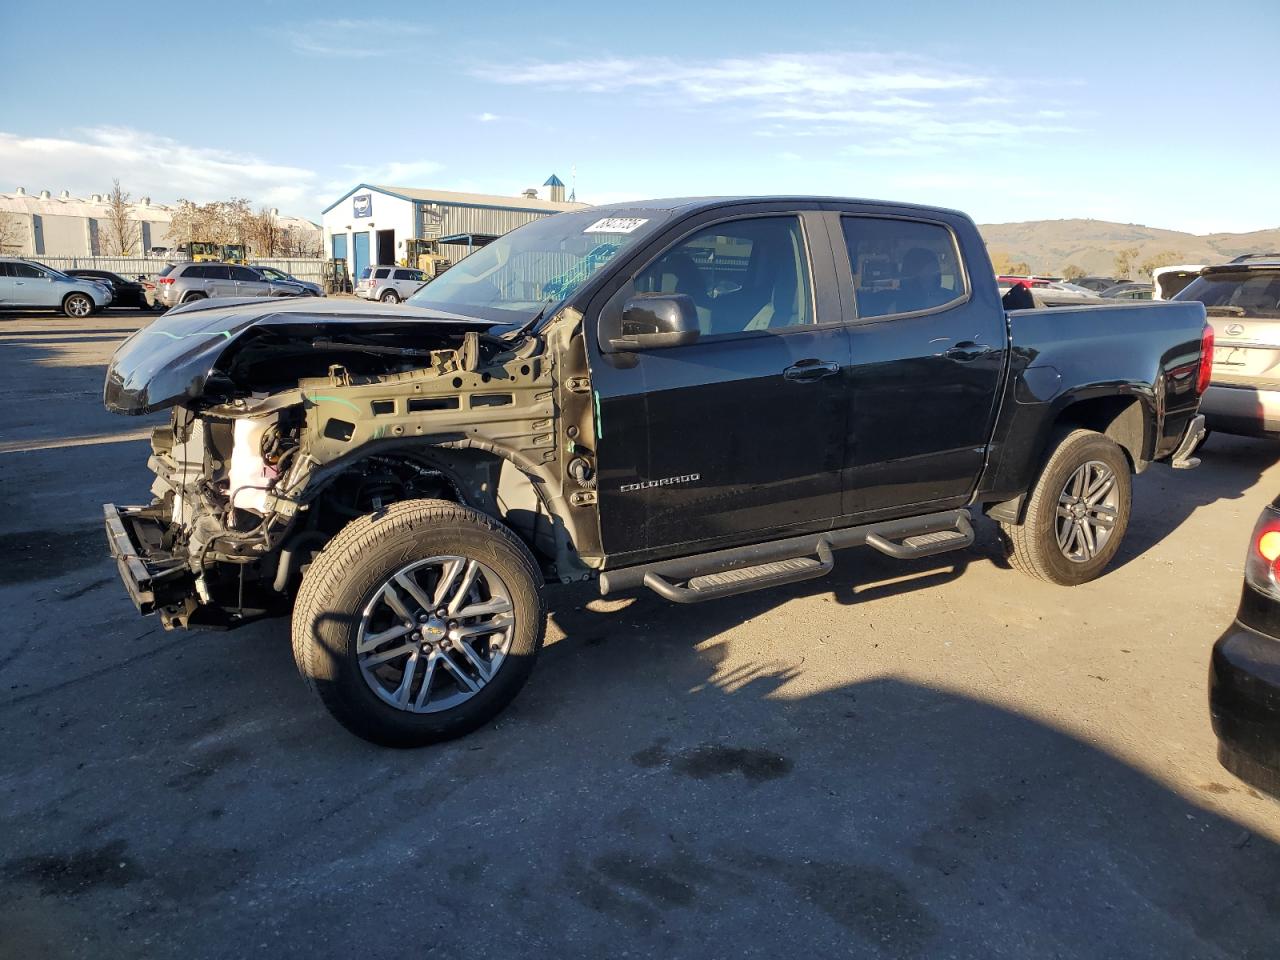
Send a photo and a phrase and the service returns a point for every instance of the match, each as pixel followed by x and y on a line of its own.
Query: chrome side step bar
pixel 725 573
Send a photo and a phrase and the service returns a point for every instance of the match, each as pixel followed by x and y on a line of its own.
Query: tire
pixel 193 297
pixel 343 604
pixel 78 306
pixel 390 297
pixel 1036 546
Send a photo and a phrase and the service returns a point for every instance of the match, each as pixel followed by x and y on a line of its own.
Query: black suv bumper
pixel 153 578
pixel 1244 704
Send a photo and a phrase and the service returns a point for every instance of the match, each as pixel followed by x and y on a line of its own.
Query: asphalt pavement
pixel 937 758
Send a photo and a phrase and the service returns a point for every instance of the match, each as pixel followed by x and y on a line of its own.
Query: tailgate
pixel 1246 352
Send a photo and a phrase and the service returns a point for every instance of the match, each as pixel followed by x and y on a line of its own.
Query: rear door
pixel 249 283
pixel 738 436
pixel 927 358
pixel 6 282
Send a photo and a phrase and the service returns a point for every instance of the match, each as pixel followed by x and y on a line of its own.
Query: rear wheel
pixel 419 623
pixel 77 305
pixel 1077 513
pixel 391 297
pixel 193 297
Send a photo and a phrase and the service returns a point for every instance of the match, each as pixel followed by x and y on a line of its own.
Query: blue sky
pixel 1154 113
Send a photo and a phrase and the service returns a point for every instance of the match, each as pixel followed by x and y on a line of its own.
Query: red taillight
pixel 165 280
pixel 1262 565
pixel 1206 360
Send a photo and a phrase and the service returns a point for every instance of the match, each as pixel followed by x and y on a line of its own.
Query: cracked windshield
pixel 516 276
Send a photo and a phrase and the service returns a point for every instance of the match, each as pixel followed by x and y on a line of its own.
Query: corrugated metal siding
pixel 442 220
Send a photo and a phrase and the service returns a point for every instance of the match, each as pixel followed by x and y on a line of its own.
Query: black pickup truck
pixel 702 397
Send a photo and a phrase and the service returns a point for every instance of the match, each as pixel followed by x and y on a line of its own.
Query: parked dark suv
pixel 695 397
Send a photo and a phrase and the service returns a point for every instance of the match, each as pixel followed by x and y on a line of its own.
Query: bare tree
pixel 13 234
pixel 1163 259
pixel 263 233
pixel 1124 262
pixel 122 231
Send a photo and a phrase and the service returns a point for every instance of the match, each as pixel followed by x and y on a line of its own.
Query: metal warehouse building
pixel 66 226
pixel 373 224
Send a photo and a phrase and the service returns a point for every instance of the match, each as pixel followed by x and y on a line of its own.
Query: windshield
pixel 1250 294
pixel 537 266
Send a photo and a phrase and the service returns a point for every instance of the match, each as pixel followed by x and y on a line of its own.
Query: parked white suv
pixel 25 283
pixel 389 284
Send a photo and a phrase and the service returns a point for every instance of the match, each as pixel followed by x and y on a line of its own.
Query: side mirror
pixel 651 321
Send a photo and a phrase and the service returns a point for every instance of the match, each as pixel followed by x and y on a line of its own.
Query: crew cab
pixel 700 397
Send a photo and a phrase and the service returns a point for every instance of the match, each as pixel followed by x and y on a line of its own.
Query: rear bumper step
pixel 725 573
pixel 1182 458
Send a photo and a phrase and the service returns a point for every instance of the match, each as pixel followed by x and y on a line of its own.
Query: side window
pixel 402 275
pixel 902 266
pixel 24 271
pixel 6 269
pixel 245 275
pixel 380 274
pixel 194 273
pixel 217 272
pixel 744 275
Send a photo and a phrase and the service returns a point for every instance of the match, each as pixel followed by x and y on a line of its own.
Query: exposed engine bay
pixel 283 432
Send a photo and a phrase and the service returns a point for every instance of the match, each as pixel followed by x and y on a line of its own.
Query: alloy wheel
pixel 1087 511
pixel 435 633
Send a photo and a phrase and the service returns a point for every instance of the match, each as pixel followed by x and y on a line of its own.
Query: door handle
pixel 807 371
pixel 966 350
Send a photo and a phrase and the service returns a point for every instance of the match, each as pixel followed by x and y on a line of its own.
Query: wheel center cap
pixel 1079 510
pixel 433 630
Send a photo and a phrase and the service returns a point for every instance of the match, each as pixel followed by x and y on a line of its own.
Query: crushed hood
pixel 170 360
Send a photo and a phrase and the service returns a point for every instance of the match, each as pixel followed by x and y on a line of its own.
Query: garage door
pixel 361 243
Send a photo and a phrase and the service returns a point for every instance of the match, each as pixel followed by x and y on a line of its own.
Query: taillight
pixel 1261 570
pixel 165 280
pixel 1206 360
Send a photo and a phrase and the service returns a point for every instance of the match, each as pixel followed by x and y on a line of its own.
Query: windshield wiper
pixel 524 327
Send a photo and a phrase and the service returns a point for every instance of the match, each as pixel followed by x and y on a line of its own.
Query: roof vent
pixel 65 195
pixel 45 195
pixel 21 191
pixel 146 201
pixel 530 194
pixel 96 198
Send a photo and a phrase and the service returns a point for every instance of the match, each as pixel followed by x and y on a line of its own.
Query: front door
pixel 30 285
pixel 360 246
pixel 928 352
pixel 740 435
pixel 249 283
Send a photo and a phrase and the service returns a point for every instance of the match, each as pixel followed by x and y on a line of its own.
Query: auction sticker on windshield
pixel 616 225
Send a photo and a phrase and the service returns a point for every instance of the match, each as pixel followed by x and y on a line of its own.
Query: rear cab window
pixel 902 266
pixel 1249 293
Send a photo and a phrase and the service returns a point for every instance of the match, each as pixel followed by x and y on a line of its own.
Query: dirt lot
pixel 929 759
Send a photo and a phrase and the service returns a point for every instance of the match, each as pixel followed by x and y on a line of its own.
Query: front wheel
pixel 391 297
pixel 419 623
pixel 1077 513
pixel 78 305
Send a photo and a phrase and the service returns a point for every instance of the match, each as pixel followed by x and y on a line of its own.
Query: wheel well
pixel 481 480
pixel 1123 419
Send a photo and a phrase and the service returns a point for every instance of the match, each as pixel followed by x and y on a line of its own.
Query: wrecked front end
pixel 286 427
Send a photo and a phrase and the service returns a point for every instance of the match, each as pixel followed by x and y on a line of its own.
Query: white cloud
pixel 889 104
pixel 400 173
pixel 150 165
pixel 350 39
pixel 487 117
pixel 790 77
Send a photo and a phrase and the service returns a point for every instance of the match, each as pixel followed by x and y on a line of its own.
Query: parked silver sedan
pixel 26 283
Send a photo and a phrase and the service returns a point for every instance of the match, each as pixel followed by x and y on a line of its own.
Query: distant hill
pixel 1047 246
